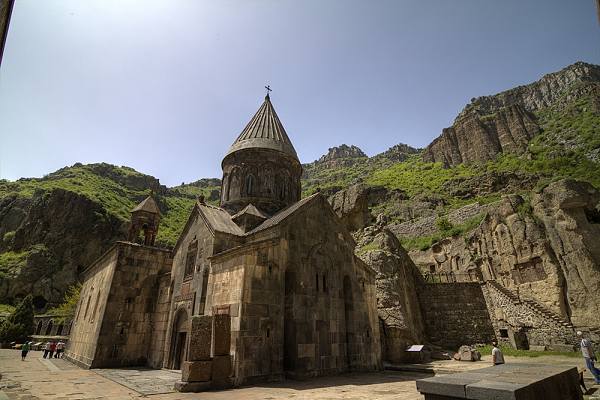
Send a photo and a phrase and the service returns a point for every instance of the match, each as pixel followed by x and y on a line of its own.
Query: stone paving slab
pixel 39 379
pixel 34 379
pixel 143 381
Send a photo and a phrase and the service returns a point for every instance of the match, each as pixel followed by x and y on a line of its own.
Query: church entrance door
pixel 179 339
pixel 179 349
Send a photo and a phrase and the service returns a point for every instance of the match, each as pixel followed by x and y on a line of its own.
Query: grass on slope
pixel 509 351
pixel 11 263
pixel 118 190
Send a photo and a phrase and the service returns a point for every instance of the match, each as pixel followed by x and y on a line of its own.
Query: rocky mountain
pixel 437 202
pixel 52 227
pixel 507 121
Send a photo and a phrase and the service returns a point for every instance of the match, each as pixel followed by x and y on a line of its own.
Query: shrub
pixel 66 310
pixel 443 224
pixel 19 325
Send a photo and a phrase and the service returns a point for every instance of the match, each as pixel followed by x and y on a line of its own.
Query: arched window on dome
pixel 225 190
pixel 235 184
pixel 250 184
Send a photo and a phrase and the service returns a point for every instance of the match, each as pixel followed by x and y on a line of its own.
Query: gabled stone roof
pixel 264 130
pixel 148 205
pixel 219 220
pixel 251 210
pixel 283 214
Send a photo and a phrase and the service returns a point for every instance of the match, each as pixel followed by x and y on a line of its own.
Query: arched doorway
pixel 179 339
pixel 39 328
pixel 49 328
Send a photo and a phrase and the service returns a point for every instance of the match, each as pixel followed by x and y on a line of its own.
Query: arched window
pixel 250 185
pixel 235 181
pixel 59 330
pixel 190 261
pixel 225 189
pixel 38 330
pixel 95 306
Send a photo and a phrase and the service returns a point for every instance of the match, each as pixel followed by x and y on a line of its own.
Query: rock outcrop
pixel 397 302
pixel 352 206
pixel 475 138
pixel 343 151
pixel 57 233
pixel 570 215
pixel 505 122
pixel 545 252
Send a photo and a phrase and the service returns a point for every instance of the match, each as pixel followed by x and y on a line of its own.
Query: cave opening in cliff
pixel 593 215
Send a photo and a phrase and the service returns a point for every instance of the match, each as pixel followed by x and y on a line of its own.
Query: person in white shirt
pixel 588 355
pixel 497 356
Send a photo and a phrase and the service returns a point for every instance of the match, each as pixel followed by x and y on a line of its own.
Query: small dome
pixel 264 131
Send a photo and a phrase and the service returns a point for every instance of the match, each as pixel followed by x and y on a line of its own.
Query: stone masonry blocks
pixel 221 334
pixel 200 338
pixel 221 367
pixel 196 371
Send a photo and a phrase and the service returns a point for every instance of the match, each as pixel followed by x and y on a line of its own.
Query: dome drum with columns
pixel 261 167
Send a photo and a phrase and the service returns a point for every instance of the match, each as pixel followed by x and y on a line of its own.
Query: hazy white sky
pixel 166 86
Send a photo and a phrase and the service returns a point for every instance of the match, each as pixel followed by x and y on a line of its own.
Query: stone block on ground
pixel 221 367
pixel 196 371
pixel 191 387
pixel 561 347
pixel 200 338
pixel 221 334
pixel 505 382
pixel 537 348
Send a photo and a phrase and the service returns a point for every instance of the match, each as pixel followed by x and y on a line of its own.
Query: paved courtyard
pixel 41 379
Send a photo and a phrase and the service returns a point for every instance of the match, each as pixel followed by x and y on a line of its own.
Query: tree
pixel 19 325
pixel 66 310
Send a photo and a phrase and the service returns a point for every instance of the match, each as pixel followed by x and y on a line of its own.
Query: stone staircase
pixel 532 304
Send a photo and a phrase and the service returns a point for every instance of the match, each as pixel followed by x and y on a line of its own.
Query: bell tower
pixel 261 167
pixel 145 218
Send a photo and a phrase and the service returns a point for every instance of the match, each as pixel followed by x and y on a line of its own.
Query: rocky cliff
pixel 53 227
pixel 507 121
pixel 543 250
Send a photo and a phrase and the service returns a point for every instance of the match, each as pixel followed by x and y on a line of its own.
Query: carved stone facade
pixel 542 258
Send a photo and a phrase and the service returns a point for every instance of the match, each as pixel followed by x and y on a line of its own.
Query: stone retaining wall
pixel 455 314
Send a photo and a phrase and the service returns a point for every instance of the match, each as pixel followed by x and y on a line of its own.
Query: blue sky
pixel 166 86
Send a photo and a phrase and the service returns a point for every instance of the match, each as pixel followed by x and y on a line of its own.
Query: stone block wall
pixel 516 316
pixel 126 334
pixel 160 318
pixel 89 315
pixel 455 314
pixel 247 284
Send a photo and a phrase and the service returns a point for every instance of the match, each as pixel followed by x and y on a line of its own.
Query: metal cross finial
pixel 268 87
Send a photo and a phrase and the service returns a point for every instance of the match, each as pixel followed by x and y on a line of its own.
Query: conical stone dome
pixel 261 166
pixel 264 131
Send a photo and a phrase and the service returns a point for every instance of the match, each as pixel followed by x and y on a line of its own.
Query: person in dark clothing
pixel 25 350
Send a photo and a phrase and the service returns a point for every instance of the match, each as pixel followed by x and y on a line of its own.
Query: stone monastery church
pixel 262 287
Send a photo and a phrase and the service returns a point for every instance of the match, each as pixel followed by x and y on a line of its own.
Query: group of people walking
pixel 51 349
pixel 54 349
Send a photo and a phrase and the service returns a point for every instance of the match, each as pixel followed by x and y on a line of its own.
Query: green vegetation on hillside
pixel 66 310
pixel 11 263
pixel 19 324
pixel 117 190
pixel 446 229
